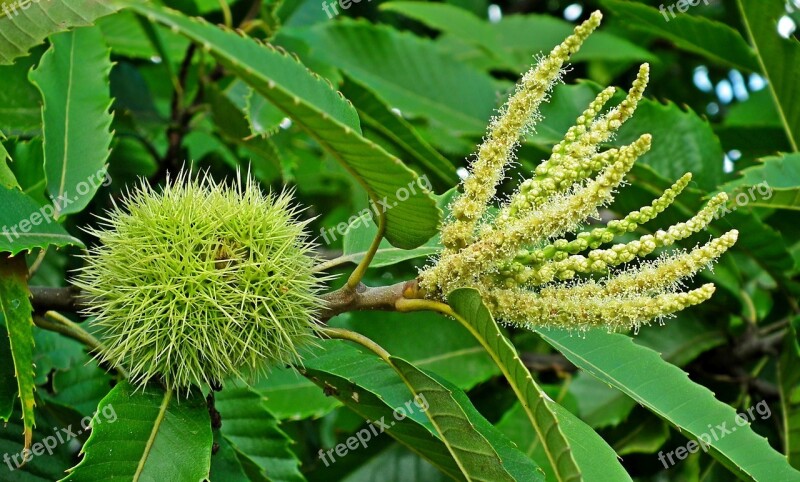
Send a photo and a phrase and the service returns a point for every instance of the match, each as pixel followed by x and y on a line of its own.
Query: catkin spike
pixel 503 135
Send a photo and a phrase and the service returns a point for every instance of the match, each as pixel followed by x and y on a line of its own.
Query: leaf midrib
pixel 162 412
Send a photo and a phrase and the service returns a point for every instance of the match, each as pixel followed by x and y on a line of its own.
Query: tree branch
pixel 58 299
pixel 363 297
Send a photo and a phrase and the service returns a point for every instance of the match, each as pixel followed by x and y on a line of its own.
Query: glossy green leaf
pixel 638 437
pixel 315 106
pixel 376 114
pixel 789 387
pixel 516 38
pixel 396 460
pixel 594 457
pixel 225 465
pixel 420 86
pixel 155 436
pixel 26 24
pixel 679 341
pixel 25 225
pixel 289 395
pixel 430 341
pixel 7 178
pixel 20 102
pixel 55 352
pixel 73 79
pixel 694 33
pixel 775 183
pixel 359 235
pixel 547 421
pixel 369 387
pixel 254 434
pixel 642 375
pixel 477 454
pixel 51 461
pixel 82 387
pixel 17 325
pixel 779 59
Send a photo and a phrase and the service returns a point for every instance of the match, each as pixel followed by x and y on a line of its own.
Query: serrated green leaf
pixel 369 387
pixel 55 352
pixel 25 28
pixel 779 59
pixel 154 436
pixel 548 422
pixel 289 395
pixel 694 33
pixel 51 463
pixel 254 433
pixel 360 233
pixel 593 458
pixel 264 118
pixel 25 225
pixel 20 102
pixel 775 183
pixel 679 342
pixel 516 38
pixel 127 36
pixel 17 325
pixel 7 178
pixel 430 341
pixel 789 387
pixel 81 387
pixel 396 460
pixel 315 106
pixel 665 389
pixel 467 436
pixel 376 114
pixel 225 465
pixel 8 384
pixel 640 437
pixel 73 79
pixel 421 85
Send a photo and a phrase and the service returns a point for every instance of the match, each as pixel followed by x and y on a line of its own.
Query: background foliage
pixel 139 90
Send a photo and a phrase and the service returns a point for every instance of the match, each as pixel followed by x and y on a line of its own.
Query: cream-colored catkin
pixel 520 259
pixel 562 308
pixel 503 135
pixel 562 213
pixel 667 272
pixel 597 236
pixel 574 158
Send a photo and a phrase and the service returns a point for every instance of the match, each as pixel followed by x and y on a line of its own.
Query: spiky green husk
pixel 200 282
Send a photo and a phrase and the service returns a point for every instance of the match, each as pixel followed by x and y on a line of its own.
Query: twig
pixel 60 299
pixel 363 297
pixel 55 321
pixel 180 118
